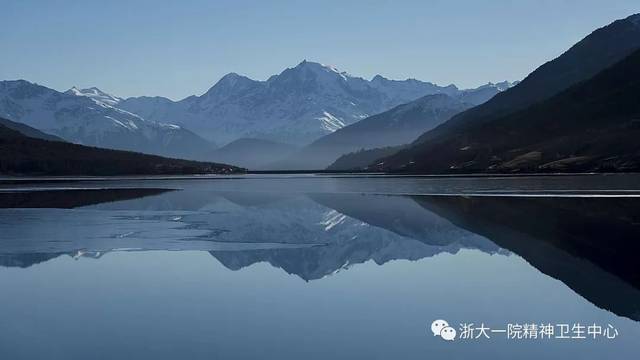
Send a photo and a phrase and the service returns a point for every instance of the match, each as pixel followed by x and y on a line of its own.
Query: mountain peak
pixel 232 80
pixel 230 84
pixel 319 68
pixel 635 18
pixel 92 90
pixel 232 76
pixel 95 94
pixel 378 78
pixel 308 64
pixel 500 86
pixel 74 91
pixel 297 105
pixel 504 85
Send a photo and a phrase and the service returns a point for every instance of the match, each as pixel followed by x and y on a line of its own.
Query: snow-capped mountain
pixel 87 117
pixel 95 94
pixel 296 106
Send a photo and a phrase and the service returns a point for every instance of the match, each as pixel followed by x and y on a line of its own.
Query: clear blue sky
pixel 180 48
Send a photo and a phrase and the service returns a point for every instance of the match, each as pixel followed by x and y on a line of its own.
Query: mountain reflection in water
pixel 590 244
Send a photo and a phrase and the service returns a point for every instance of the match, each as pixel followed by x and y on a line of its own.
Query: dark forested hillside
pixel 361 159
pixel 23 155
pixel 28 130
pixel 435 151
pixel 592 126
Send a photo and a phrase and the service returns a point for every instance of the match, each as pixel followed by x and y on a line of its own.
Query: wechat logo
pixel 441 328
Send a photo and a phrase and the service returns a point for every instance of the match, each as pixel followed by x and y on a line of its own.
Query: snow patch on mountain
pixel 332 219
pixel 95 94
pixel 330 122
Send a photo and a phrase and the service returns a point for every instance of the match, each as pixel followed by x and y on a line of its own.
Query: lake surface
pixel 317 267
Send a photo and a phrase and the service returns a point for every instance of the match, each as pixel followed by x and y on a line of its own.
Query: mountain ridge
pixel 296 106
pixel 591 126
pixel 597 51
pixel 85 119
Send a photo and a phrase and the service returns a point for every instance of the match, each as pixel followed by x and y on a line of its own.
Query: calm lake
pixel 319 267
